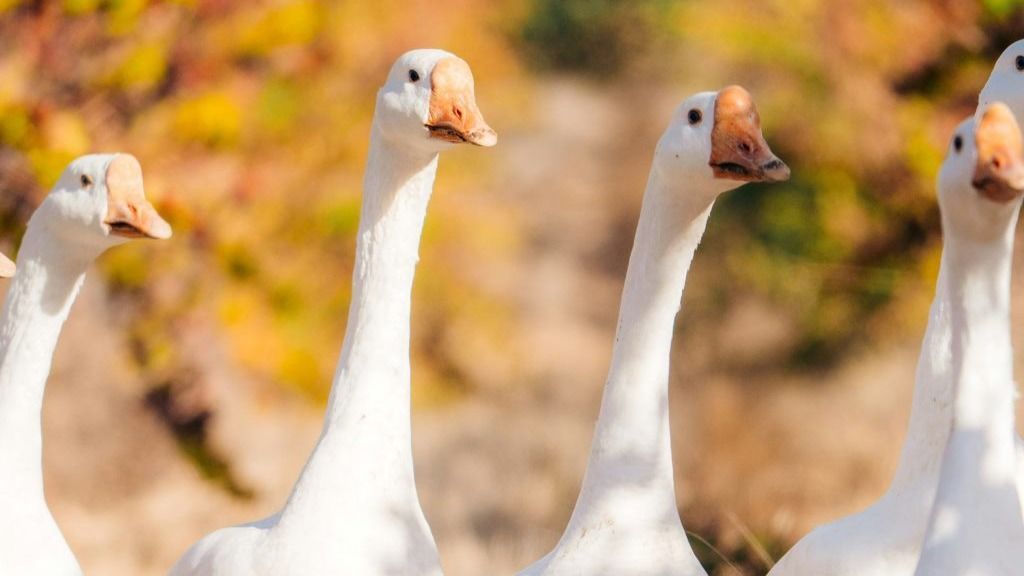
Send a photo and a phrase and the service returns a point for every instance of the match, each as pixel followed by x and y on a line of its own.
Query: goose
pixel 886 537
pixel 1006 84
pixel 354 509
pixel 625 520
pixel 975 527
pixel 97 203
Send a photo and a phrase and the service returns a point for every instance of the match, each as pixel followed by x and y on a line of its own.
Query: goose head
pixel 428 102
pixel 981 182
pixel 99 202
pixel 715 139
pixel 1006 82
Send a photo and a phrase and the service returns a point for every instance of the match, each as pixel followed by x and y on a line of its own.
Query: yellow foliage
pixel 128 268
pixel 300 369
pixel 64 131
pixel 15 126
pixel 143 68
pixel 279 105
pixel 921 152
pixel 77 7
pixel 47 164
pixel 843 216
pixel 123 15
pixel 252 118
pixel 292 23
pixel 62 136
pixel 237 306
pixel 214 119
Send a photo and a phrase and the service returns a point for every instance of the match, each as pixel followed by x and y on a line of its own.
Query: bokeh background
pixel 189 385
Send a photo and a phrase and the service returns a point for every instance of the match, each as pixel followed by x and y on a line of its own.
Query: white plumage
pixel 975 527
pixel 886 538
pixel 625 520
pixel 97 202
pixel 354 510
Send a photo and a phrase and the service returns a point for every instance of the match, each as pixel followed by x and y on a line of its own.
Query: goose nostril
pixel 457 111
pixel 745 147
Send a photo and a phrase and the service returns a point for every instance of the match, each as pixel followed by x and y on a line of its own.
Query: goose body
pixel 625 520
pixel 975 527
pixel 96 204
pixel 354 509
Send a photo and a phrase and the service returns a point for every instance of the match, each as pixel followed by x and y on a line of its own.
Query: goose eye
pixel 694 116
pixel 414 75
pixel 1020 62
pixel 958 143
pixel 86 180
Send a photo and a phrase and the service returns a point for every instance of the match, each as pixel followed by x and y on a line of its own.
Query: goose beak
pixel 7 267
pixel 129 214
pixel 738 149
pixel 454 116
pixel 999 172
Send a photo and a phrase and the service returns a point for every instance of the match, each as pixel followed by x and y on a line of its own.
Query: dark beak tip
pixel 776 171
pixel 485 138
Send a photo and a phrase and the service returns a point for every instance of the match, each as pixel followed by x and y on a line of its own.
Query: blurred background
pixel 190 382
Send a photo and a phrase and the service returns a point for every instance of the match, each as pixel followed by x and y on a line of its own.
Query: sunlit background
pixel 189 385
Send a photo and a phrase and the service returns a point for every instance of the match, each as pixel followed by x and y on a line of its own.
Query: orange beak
pixel 129 214
pixel 738 148
pixel 7 267
pixel 999 172
pixel 454 116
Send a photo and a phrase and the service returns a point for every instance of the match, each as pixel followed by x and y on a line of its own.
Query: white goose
pixel 976 527
pixel 626 520
pixel 1006 84
pixel 97 203
pixel 885 539
pixel 354 509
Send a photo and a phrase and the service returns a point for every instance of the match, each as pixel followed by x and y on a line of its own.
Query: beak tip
pixel 776 171
pixel 160 230
pixel 485 138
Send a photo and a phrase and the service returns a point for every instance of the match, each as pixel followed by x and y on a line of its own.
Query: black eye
pixel 958 143
pixel 1020 62
pixel 86 180
pixel 414 75
pixel 695 116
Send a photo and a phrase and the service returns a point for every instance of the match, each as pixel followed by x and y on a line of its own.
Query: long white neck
pixel 38 301
pixel 975 526
pixel 373 371
pixel 366 432
pixel 967 271
pixel 932 408
pixel 982 358
pixel 629 473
